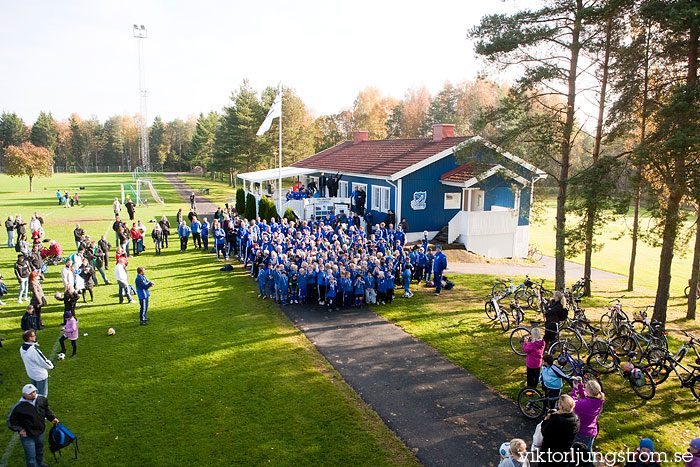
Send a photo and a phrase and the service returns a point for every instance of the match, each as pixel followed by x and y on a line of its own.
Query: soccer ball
pixel 504 450
pixel 61 356
pixel 111 332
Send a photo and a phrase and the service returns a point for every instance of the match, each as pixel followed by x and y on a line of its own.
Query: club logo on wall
pixel 419 200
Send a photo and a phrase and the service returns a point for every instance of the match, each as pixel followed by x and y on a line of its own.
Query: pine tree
pixel 13 132
pixel 44 132
pixel 157 144
pixel 443 109
pixel 240 201
pixel 202 148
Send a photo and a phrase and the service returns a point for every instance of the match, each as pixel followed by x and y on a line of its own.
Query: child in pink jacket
pixel 70 332
pixel 533 346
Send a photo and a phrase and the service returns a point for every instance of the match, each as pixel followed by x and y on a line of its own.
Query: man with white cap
pixel 36 364
pixel 27 417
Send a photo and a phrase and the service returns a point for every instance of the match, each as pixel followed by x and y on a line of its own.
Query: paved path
pixel 205 208
pixel 443 414
pixel 446 416
pixel 573 270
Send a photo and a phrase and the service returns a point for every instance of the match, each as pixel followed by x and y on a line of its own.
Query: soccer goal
pixel 141 193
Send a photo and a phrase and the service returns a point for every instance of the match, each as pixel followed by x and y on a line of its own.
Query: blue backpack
pixel 59 438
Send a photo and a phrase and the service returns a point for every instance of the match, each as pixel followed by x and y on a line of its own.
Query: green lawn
pixel 218 378
pixel 220 192
pixel 457 327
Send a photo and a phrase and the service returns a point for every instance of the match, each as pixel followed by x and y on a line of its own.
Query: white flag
pixel 275 111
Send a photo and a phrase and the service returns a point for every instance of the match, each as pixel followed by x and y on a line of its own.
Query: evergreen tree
pixel 112 142
pixel 250 207
pixel 13 132
pixel 240 201
pixel 393 124
pixel 157 144
pixel 443 109
pixel 44 132
pixel 201 150
pixel 297 130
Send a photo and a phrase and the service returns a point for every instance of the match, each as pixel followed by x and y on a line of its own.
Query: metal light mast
pixel 140 34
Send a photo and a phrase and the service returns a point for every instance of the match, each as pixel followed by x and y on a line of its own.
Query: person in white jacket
pixel 116 207
pixel 68 275
pixel 123 281
pixel 36 364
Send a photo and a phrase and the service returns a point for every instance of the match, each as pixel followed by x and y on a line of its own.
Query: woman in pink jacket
pixel 533 346
pixel 70 332
pixel 589 403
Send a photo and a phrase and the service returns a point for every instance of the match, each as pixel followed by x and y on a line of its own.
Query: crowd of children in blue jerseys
pixel 326 261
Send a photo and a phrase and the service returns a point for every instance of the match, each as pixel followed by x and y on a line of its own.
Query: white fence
pixel 493 234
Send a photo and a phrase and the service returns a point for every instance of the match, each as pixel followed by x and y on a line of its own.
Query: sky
pixel 81 56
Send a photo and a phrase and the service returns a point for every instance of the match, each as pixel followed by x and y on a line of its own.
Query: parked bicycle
pixel 608 361
pixel 534 252
pixel 494 311
pixel 610 321
pixel 579 288
pixel 672 362
pixel 687 290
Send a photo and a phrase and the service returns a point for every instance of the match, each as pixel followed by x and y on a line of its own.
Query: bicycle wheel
pixel 606 324
pixel 517 337
pixel 517 315
pixel 521 295
pixel 531 403
pixel 532 301
pixel 624 345
pixel 597 346
pixel 561 348
pixel 695 387
pixel 572 337
pixel 490 310
pixel 644 386
pixel 640 327
pixel 547 295
pixel 503 319
pixel 686 291
pixel 602 362
pixel 537 255
pixel 657 364
pixel 499 289
pixel 577 290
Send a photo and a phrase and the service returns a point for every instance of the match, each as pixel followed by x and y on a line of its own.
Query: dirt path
pixel 205 208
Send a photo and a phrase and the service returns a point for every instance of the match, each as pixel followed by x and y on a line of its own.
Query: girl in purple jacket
pixel 589 403
pixel 533 346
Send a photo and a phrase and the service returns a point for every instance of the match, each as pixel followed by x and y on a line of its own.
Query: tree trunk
pixel 31 185
pixel 677 191
pixel 560 248
pixel 591 212
pixel 693 294
pixel 230 176
pixel 635 234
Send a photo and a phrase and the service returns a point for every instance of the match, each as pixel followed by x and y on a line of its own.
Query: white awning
pixel 273 174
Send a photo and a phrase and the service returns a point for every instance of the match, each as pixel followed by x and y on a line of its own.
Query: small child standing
pixel 283 287
pixel 29 320
pixel 348 287
pixel 359 289
pixel 294 286
pixel 303 285
pixel 370 288
pixel 552 380
pixel 517 456
pixel 331 294
pixel 262 281
pixel 381 288
pixel 70 332
pixel 406 276
pixel 390 284
pixel 533 346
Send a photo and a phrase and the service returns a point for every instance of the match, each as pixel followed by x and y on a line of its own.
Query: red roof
pixel 465 172
pixel 379 158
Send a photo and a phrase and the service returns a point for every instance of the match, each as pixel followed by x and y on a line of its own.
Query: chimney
pixel 442 131
pixel 360 136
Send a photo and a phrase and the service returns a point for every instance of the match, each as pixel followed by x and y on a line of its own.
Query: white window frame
pixel 343 189
pixel 455 201
pixel 381 198
pixel 355 186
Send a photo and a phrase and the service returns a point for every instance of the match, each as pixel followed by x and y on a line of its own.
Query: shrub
pixel 289 215
pixel 240 200
pixel 250 207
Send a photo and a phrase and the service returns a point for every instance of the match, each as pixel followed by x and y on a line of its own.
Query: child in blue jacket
pixel 381 288
pixel 370 288
pixel 389 278
pixel 262 281
pixel 283 287
pixel 331 294
pixel 347 286
pixel 303 287
pixel 359 289
pixel 406 276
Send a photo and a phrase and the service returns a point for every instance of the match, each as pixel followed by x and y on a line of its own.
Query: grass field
pixel 457 326
pixel 220 192
pixel 217 378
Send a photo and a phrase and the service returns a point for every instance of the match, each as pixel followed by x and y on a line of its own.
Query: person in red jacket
pixel 533 346
pixel 136 240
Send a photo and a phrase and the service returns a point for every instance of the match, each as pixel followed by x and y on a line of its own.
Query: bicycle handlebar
pixel 617 299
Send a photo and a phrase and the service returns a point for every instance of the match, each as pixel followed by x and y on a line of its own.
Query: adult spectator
pixel 122 278
pixel 116 207
pixel 78 234
pixel 157 236
pixel 184 232
pixel 100 263
pixel 312 188
pixel 361 200
pixel 115 226
pixel 68 274
pixel 196 228
pixel 644 455
pixel 136 240
pixel 439 265
pixel 219 240
pixel 34 225
pixel 179 216
pixel 403 224
pixel 192 201
pixel 10 227
pixel 36 263
pixel 369 220
pixel 323 185
pixel 165 226
pixel 205 234
pixel 390 218
pixel 104 245
pixel 36 364
pixel 143 287
pixel 589 403
pixel 38 299
pixel 130 208
pixel 124 239
pixel 87 273
pixel 558 431
pixel 22 271
pixel 29 320
pixel 20 226
pixel 554 312
pixel 27 417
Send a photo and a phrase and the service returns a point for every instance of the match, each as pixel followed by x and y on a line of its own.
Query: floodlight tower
pixel 140 34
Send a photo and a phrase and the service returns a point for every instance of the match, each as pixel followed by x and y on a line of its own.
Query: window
pixel 453 200
pixel 381 197
pixel 343 189
pixel 356 186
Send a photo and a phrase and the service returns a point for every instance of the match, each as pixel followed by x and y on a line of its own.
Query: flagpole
pixel 279 195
